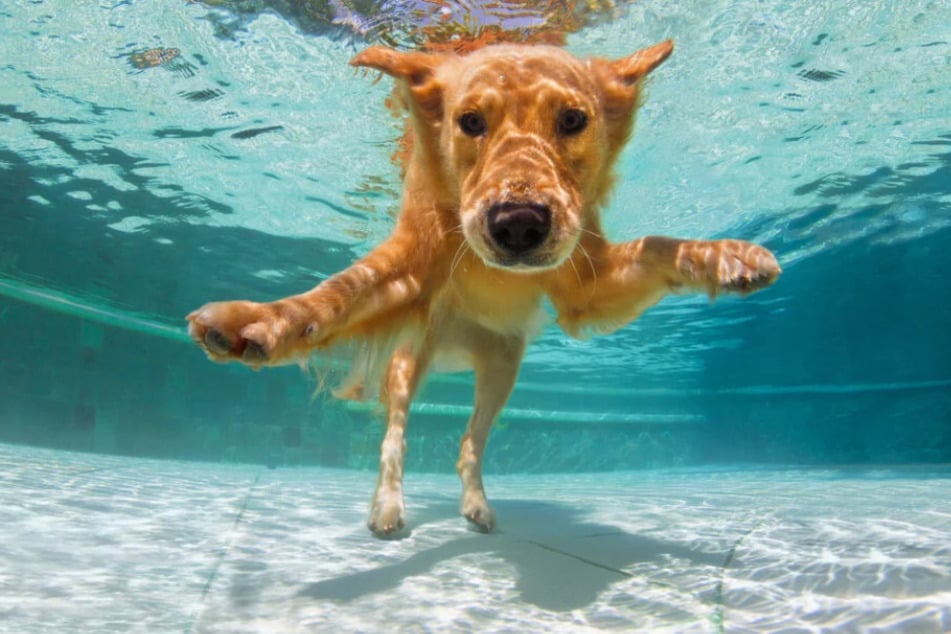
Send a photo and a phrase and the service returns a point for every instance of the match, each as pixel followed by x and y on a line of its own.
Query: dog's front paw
pixel 253 333
pixel 729 266
pixel 387 519
pixel 476 509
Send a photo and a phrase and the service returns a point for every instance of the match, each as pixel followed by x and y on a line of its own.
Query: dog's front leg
pixel 387 511
pixel 619 281
pixel 496 362
pixel 275 332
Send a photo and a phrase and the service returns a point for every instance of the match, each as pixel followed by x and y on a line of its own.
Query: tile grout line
pixel 223 554
pixel 581 559
pixel 717 616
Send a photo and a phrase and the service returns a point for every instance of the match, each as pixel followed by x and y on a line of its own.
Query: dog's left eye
pixel 472 124
pixel 571 121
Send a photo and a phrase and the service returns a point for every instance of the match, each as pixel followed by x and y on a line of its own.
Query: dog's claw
pixel 386 522
pixel 482 524
pixel 387 531
pixel 752 269
pixel 480 516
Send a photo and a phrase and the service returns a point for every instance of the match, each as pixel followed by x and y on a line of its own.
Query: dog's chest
pixel 468 321
pixel 501 302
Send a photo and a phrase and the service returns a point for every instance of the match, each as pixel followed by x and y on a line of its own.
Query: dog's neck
pixel 428 189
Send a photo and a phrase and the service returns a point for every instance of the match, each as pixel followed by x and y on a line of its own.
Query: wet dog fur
pixel 512 157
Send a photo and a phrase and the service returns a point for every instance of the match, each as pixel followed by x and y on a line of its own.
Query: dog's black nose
pixel 518 227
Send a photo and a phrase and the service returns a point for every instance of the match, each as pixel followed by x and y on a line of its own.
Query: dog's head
pixel 523 140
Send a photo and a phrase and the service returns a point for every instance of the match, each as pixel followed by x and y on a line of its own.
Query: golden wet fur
pixel 513 149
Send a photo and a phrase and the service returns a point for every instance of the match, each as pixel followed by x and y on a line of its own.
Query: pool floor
pixel 92 543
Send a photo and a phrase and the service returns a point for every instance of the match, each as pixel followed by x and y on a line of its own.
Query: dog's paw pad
pixel 237 331
pixel 216 343
pixel 254 353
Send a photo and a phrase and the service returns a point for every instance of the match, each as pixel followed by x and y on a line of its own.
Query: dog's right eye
pixel 472 124
pixel 571 122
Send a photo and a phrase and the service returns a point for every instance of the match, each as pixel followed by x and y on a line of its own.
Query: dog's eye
pixel 571 121
pixel 472 124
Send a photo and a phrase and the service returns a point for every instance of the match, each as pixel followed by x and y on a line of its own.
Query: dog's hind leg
pixel 496 364
pixel 406 368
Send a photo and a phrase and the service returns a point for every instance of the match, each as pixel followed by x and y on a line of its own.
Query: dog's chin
pixel 521 265
pixel 536 261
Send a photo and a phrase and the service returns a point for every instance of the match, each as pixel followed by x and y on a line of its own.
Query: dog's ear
pixel 629 70
pixel 619 78
pixel 417 70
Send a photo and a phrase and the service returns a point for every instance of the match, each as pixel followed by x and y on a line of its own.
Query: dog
pixel 512 154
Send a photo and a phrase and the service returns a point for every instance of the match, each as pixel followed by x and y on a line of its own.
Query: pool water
pixel 157 155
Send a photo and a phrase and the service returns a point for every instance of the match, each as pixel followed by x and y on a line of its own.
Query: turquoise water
pixel 774 464
pixel 255 162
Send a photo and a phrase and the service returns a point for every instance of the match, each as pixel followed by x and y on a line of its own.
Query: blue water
pixel 778 463
pixel 255 162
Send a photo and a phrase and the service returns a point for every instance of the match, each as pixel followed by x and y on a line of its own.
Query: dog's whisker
pixel 456 229
pixel 457 258
pixel 594 271
pixel 462 255
pixel 574 268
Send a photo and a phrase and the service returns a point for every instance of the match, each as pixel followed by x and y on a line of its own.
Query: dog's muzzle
pixel 518 228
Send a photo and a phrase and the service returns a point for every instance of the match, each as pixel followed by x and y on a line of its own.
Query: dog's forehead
pixel 522 68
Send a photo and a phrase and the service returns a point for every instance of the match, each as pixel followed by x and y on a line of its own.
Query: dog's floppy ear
pixel 629 70
pixel 619 78
pixel 417 70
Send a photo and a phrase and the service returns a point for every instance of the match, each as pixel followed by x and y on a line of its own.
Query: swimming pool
pixel 154 156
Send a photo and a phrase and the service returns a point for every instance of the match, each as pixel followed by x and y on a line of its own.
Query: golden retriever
pixel 512 156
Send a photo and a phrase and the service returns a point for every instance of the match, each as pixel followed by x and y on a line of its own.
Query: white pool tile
pixel 92 543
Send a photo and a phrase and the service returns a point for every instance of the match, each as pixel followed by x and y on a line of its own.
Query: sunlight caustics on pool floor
pixel 93 543
pixel 158 155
